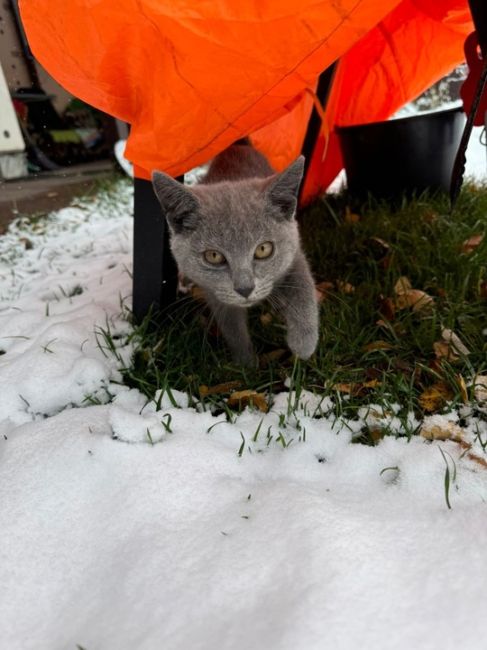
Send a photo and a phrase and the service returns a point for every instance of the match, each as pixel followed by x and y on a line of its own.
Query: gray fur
pixel 240 204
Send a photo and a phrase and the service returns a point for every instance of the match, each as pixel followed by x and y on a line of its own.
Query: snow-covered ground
pixel 127 528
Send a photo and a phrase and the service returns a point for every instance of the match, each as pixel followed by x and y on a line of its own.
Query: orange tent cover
pixel 192 76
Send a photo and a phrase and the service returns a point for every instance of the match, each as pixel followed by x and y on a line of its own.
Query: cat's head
pixel 233 238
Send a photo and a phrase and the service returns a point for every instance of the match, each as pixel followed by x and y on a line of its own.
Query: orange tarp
pixel 192 76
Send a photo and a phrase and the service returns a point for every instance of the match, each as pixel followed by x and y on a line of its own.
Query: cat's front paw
pixel 302 343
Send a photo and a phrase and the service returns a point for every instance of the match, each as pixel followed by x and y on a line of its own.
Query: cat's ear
pixel 282 190
pixel 179 204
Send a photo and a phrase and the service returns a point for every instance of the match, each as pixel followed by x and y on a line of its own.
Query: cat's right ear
pixel 179 204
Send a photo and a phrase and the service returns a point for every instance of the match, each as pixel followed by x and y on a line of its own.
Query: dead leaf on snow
pixel 480 388
pixel 472 243
pixel 448 431
pixel 435 397
pixel 451 431
pixel 244 398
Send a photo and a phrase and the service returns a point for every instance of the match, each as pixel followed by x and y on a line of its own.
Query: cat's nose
pixel 245 291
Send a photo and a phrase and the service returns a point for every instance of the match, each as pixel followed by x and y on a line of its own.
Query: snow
pixel 134 524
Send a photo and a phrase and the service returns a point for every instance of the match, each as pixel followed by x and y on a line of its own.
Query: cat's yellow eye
pixel 264 250
pixel 214 257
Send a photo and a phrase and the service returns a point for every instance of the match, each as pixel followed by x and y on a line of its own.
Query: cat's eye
pixel 264 250
pixel 214 257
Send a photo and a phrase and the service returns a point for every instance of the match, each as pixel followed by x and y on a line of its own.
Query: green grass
pixel 179 350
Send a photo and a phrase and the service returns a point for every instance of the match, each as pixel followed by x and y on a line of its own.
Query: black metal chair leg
pixel 155 272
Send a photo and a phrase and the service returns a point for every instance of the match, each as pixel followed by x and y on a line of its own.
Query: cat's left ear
pixel 282 189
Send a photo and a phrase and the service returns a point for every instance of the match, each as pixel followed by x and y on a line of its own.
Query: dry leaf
pixel 387 308
pixel 444 351
pixel 28 245
pixel 470 244
pixel 414 298
pixel 463 388
pixel 351 217
pixel 381 242
pixel 403 285
pixel 219 388
pixel 345 287
pixel 454 341
pixel 448 431
pixel 323 289
pixel 378 345
pixel 480 388
pixel 244 398
pixel 356 388
pixel 406 296
pixel 434 398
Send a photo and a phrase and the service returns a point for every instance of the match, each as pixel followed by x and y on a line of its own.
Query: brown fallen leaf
pixel 472 243
pixel 378 345
pixel 387 309
pixel 463 388
pixel 244 398
pixel 219 388
pixel 450 347
pixel 28 245
pixel 355 388
pixel 406 296
pixel 351 217
pixel 414 298
pixel 345 287
pixel 454 341
pixel 444 351
pixel 403 285
pixel 435 397
pixel 480 388
pixel 323 289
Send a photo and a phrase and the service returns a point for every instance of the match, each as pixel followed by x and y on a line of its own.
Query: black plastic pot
pixel 402 157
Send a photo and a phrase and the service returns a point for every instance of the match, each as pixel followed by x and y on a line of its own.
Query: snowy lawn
pixel 124 527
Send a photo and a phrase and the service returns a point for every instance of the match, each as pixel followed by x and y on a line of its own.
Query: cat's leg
pixel 232 323
pixel 295 298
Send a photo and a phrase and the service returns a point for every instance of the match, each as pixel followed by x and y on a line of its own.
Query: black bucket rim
pixel 401 120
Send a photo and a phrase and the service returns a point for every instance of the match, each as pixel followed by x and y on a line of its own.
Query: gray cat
pixel 235 235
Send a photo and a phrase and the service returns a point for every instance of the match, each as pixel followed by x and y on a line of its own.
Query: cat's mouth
pixel 240 301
